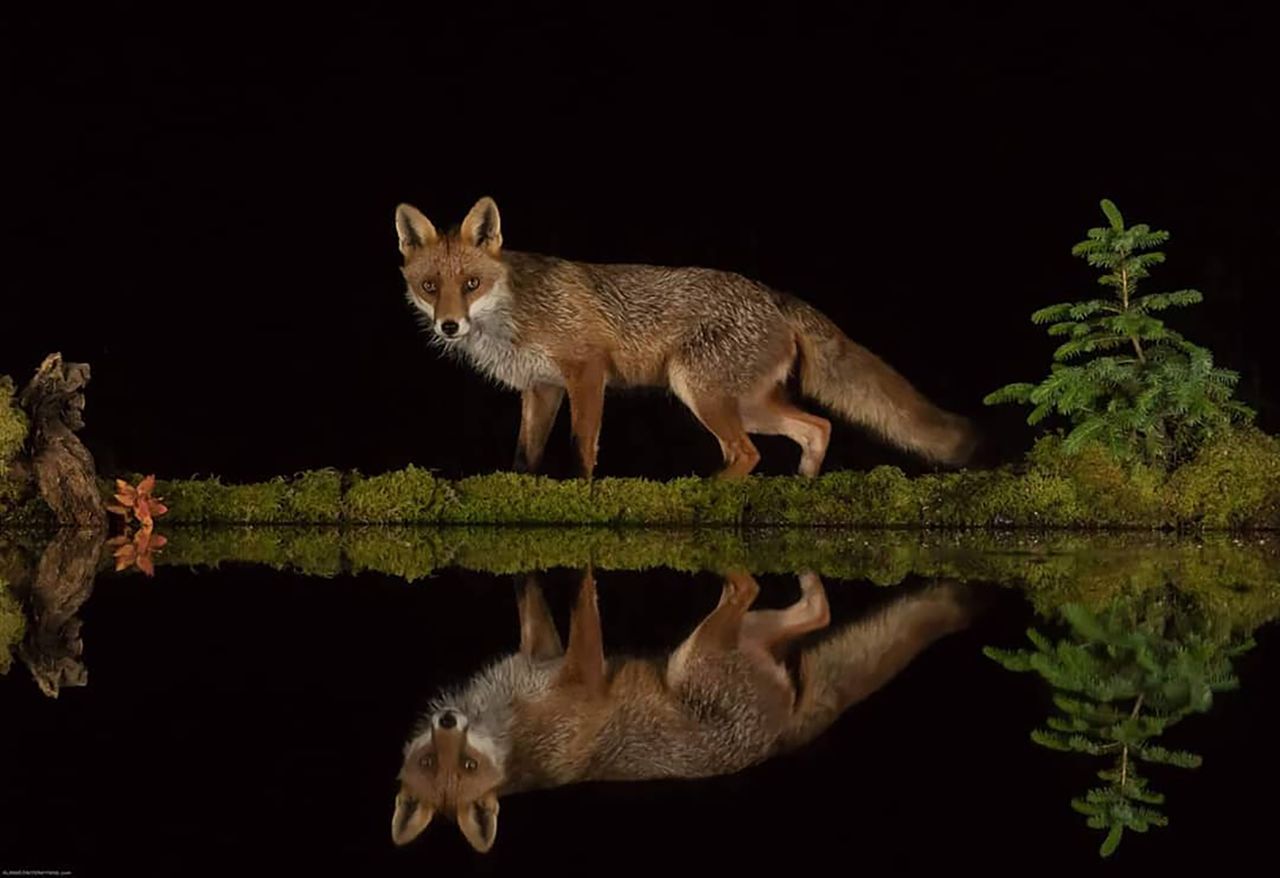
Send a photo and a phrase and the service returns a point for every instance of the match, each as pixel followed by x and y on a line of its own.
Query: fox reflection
pixel 723 700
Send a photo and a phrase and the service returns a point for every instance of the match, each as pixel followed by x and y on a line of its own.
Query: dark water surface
pixel 247 720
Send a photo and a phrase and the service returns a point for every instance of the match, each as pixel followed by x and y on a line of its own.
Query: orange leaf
pixel 145 565
pixel 147 485
pixel 125 556
pixel 118 510
pixel 126 499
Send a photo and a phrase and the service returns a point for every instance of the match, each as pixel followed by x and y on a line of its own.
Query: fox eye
pixel 469 764
pixel 428 761
pixel 429 286
pixel 472 283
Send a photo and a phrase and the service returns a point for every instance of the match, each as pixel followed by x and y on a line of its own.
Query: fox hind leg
pixel 774 630
pixel 721 630
pixel 771 413
pixel 719 413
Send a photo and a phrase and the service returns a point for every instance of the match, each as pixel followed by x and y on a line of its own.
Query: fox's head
pixel 453 771
pixel 458 277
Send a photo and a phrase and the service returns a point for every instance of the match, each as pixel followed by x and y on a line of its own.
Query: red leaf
pixel 125 556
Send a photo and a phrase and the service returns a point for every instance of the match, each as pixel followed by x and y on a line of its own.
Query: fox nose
pixel 449 328
pixel 447 719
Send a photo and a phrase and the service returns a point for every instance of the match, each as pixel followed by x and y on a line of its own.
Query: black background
pixel 199 202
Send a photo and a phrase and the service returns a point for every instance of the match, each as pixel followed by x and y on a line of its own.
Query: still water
pixel 299 701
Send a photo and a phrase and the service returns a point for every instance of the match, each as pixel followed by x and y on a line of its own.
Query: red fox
pixel 722 701
pixel 724 344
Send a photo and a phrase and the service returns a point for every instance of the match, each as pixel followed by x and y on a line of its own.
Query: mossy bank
pixel 13 625
pixel 1232 484
pixel 1229 573
pixel 13 434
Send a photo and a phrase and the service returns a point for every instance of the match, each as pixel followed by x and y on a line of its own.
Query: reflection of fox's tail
pixel 855 661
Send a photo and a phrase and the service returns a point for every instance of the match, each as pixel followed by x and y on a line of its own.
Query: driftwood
pixel 59 463
pixel 62 583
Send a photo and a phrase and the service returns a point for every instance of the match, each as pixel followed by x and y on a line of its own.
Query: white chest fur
pixel 493 352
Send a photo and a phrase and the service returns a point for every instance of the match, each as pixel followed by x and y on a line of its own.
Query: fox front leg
pixel 539 639
pixel 584 380
pixel 539 405
pixel 584 658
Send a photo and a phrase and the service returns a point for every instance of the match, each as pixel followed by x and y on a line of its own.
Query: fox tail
pixel 852 662
pixel 865 390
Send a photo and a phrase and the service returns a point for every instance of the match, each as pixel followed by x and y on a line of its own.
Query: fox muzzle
pixel 452 328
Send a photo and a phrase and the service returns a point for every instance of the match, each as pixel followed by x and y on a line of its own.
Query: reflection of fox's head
pixel 450 770
pixel 453 279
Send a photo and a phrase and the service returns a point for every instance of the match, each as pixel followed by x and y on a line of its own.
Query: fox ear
pixel 483 227
pixel 479 822
pixel 413 229
pixel 410 819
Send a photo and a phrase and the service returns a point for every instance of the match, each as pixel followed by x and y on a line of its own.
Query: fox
pixel 725 345
pixel 731 695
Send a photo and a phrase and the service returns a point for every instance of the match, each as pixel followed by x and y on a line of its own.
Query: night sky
pixel 201 207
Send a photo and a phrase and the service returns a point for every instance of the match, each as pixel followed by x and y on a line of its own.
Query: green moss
pixel 309 498
pixel 519 499
pixel 312 496
pixel 30 513
pixel 1233 482
pixel 1055 567
pixel 1103 490
pixel 13 434
pixel 408 495
pixel 314 551
pixel 1229 576
pixel 13 625
pixel 13 423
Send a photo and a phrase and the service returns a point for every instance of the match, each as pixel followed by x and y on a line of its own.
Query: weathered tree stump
pixel 62 583
pixel 62 467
